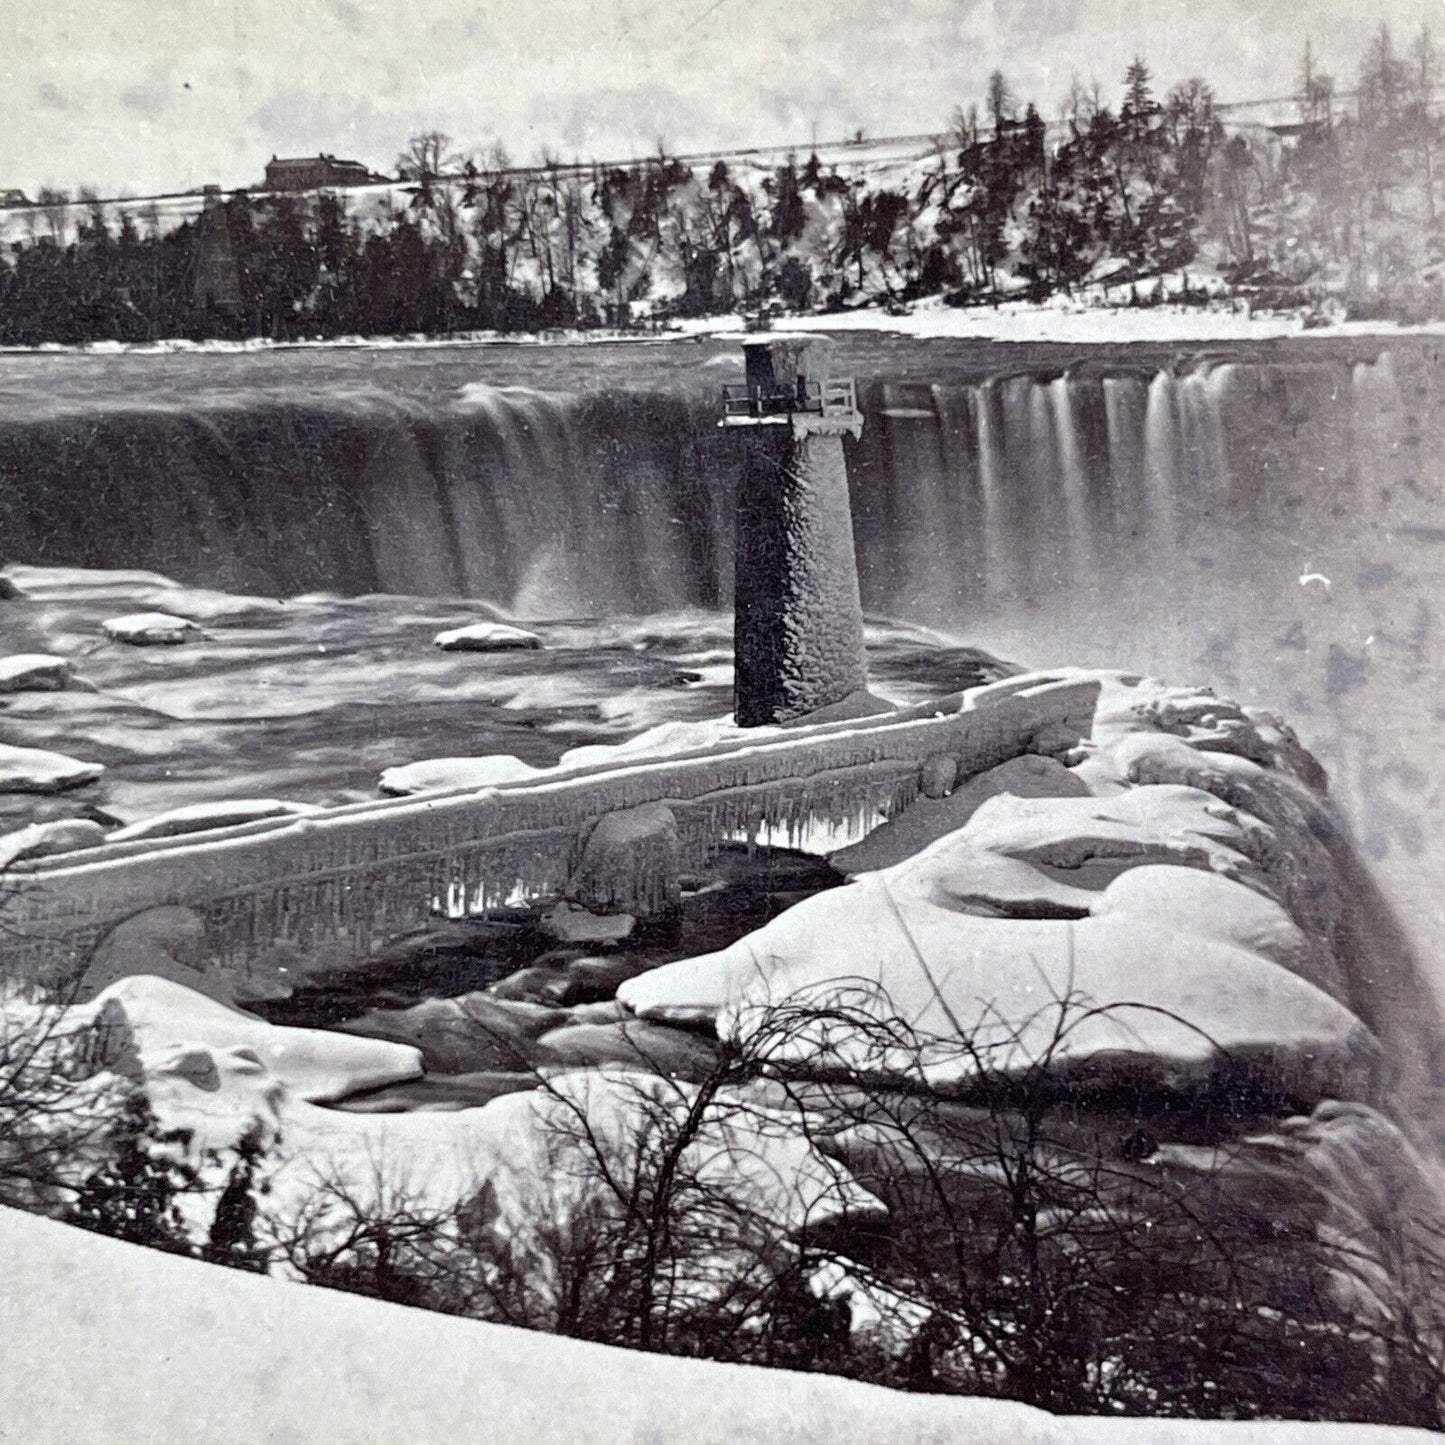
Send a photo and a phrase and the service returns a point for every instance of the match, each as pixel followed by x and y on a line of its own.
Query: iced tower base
pixel 798 628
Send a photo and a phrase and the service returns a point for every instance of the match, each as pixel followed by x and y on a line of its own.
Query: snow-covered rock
pixel 441 775
pixel 60 584
pixel 34 770
pixel 41 840
pixel 1170 889
pixel 201 604
pixel 150 629
pixel 197 817
pixel 217 1075
pixel 34 672
pixel 1170 999
pixel 152 1327
pixel 310 1063
pixel 487 637
pixel 91 585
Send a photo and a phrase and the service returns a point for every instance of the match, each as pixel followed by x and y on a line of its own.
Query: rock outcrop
pixel 36 770
pixel 35 672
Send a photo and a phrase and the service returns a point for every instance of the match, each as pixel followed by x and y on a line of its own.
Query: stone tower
pixel 216 285
pixel 798 628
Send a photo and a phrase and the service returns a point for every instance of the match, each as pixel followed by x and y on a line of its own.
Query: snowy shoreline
pixel 1059 321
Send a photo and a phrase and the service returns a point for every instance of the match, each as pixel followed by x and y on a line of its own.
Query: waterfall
pixel 1264 520
pixel 1073 479
pixel 997 542
pixel 1162 473
pixel 543 502
pixel 1125 404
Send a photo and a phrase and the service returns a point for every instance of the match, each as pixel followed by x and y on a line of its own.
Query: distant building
pixel 314 173
pixel 13 198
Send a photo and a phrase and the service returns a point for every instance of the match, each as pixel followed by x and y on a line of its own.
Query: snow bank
pixel 109 1341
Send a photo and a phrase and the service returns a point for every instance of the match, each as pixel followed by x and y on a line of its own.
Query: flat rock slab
pixel 438 1093
pixel 487 637
pixel 656 1050
pixel 33 770
pixel 569 924
pixel 35 672
pixel 151 629
pixel 473 1033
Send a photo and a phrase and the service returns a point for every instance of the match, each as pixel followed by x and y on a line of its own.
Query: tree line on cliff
pixel 1127 201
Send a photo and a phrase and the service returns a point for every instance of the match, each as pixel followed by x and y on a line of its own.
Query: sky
pixel 139 97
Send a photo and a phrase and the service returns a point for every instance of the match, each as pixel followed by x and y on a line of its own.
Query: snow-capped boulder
pixel 198 817
pixel 150 629
pixel 42 840
pixel 487 637
pixel 311 1063
pixel 35 672
pixel 441 775
pixel 630 863
pixel 167 942
pixel 34 770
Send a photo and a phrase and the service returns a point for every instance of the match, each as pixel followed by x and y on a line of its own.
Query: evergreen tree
pixel 135 1194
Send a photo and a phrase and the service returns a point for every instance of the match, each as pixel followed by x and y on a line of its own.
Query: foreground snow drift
pixel 108 1341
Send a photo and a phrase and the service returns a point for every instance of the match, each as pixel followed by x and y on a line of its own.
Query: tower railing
pixel 816 398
